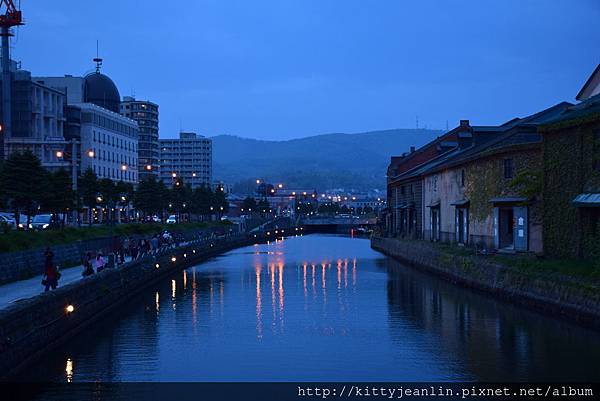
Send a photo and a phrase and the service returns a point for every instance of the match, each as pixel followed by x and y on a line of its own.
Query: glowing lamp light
pixel 194 251
pixel 148 167
pixel 157 265
pixel 124 167
pixel 91 154
pixel 59 154
pixel 185 255
pixel 174 175
pixel 173 259
pixel 70 308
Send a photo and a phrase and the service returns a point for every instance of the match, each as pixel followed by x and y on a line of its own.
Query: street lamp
pixel 91 154
pixel 124 167
pixel 174 175
pixel 59 154
pixel 148 167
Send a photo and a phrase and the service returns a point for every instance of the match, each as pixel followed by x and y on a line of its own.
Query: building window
pixel 508 168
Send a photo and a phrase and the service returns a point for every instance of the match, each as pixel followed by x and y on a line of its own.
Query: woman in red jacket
pixel 50 271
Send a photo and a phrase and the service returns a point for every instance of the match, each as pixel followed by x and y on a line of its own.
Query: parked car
pixel 8 220
pixel 11 216
pixel 172 219
pixel 41 222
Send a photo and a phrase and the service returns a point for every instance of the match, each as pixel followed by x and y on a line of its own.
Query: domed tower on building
pixel 101 91
pixel 107 140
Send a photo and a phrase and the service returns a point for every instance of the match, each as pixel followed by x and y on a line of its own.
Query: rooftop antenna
pixel 417 119
pixel 446 125
pixel 97 60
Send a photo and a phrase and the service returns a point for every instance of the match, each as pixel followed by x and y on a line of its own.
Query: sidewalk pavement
pixel 23 289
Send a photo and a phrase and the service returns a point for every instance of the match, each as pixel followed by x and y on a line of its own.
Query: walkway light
pixel 124 167
pixel 173 259
pixel 174 175
pixel 69 308
pixel 148 167
pixel 91 154
pixel 59 154
pixel 157 265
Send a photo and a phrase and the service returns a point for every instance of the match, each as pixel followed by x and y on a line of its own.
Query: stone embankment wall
pixel 16 266
pixel 560 295
pixel 32 327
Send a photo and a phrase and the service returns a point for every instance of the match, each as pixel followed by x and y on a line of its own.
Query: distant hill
pixel 351 161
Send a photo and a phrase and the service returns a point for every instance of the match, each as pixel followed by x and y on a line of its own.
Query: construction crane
pixel 8 19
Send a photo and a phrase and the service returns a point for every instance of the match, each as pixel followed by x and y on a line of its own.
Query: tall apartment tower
pixel 146 115
pixel 188 158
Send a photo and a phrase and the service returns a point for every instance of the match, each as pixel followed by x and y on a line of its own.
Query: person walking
pixel 99 262
pixel 133 250
pixel 51 274
pixel 88 269
pixel 155 243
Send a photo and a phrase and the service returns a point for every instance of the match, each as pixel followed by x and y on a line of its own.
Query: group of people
pixel 96 263
pixel 142 246
pixel 89 263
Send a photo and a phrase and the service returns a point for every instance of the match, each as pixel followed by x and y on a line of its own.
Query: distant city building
pixel 146 115
pixel 227 188
pixel 188 158
pixel 108 141
pixel 38 120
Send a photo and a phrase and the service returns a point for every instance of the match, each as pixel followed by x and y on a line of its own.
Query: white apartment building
pixel 109 143
pixel 188 158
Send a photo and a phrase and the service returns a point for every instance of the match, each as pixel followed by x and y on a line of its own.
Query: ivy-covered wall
pixel 569 154
pixel 484 180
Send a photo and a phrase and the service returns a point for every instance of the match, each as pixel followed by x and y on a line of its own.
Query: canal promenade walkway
pixel 31 287
pixel 32 326
pixel 23 289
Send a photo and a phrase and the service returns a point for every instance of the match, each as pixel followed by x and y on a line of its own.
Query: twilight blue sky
pixel 282 69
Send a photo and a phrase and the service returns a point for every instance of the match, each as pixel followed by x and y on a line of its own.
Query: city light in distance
pixel 70 308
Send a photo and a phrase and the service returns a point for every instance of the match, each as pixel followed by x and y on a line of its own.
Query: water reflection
pixel 338 311
pixel 69 370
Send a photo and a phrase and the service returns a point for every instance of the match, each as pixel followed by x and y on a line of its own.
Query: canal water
pixel 320 308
